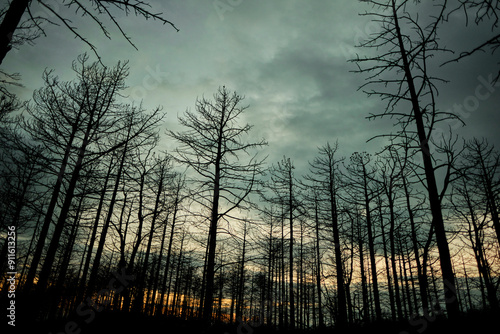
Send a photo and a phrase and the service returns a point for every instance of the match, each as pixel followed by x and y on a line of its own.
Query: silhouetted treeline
pixel 107 221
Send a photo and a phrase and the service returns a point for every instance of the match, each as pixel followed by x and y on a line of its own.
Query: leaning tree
pixel 398 72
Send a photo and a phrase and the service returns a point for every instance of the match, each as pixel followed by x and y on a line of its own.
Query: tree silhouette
pixel 70 116
pixel 325 176
pixel 360 179
pixel 481 167
pixel 213 148
pixel 284 188
pixel 407 52
pixel 93 10
pixel 80 123
pixel 481 12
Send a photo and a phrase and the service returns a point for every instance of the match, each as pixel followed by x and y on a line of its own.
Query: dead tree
pixel 325 178
pixel 481 166
pixel 360 179
pixel 480 12
pixel 85 111
pixel 13 30
pixel 213 147
pixel 283 186
pixel 474 203
pixel 404 48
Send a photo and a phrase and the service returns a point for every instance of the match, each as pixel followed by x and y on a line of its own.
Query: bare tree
pixel 360 179
pixel 481 166
pixel 66 116
pixel 177 188
pixel 325 177
pixel 22 171
pixel 480 12
pixel 389 179
pixel 14 30
pixel 469 208
pixel 80 123
pixel 284 188
pixel 213 148
pixel 404 48
pixel 160 170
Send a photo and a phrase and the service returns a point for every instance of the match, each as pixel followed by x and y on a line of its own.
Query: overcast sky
pixel 287 57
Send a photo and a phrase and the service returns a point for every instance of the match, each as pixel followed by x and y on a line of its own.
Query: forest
pixel 103 229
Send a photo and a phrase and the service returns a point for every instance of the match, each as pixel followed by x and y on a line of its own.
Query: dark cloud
pixel 289 58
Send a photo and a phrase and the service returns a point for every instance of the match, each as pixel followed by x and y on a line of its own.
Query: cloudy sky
pixel 287 57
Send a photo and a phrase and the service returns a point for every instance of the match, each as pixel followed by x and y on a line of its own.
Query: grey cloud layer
pixel 288 57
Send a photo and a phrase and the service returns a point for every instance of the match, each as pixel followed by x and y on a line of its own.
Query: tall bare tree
pixel 360 178
pixel 469 208
pixel 68 118
pixel 14 29
pixel 325 176
pixel 225 174
pixel 284 188
pixel 481 166
pixel 399 72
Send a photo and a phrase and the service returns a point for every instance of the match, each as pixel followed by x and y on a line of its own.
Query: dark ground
pixel 109 322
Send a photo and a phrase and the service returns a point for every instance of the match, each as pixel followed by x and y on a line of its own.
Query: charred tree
pixel 407 52
pixel 213 148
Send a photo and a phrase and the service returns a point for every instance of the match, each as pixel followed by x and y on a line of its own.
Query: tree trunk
pixel 142 275
pixel 58 291
pixel 318 272
pixel 339 266
pixel 490 195
pixel 422 281
pixel 177 279
pixel 270 275
pixel 290 203
pixel 283 308
pixel 392 240
pixel 371 247
pixel 434 199
pixel 154 308
pixel 83 281
pixel 364 286
pixel 214 218
pixel 241 283
pixel 105 227
pixel 405 276
pixel 9 24
pixel 43 280
pixel 209 289
pixel 50 212
pixel 387 266
pixel 170 242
